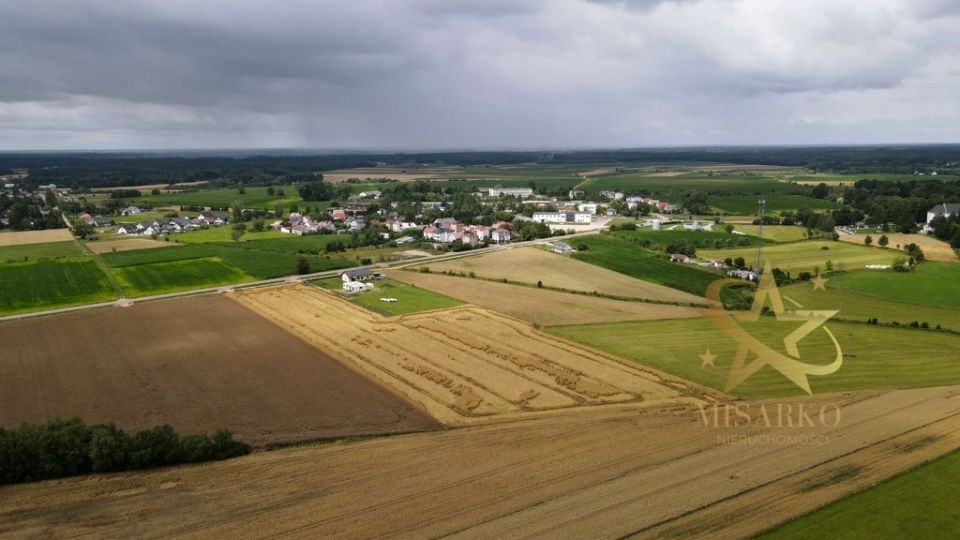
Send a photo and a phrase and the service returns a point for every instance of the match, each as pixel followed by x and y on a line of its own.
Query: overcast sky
pixel 428 74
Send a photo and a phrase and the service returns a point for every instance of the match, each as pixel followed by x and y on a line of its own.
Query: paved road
pixel 125 302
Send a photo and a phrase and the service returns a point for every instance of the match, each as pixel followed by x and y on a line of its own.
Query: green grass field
pixel 254 197
pixel 222 234
pixel 806 256
pixel 627 257
pixel 410 299
pixel 874 357
pixel 664 237
pixel 34 252
pixel 930 284
pixel 861 307
pixel 47 284
pixel 921 503
pixel 747 204
pixel 718 184
pixel 159 278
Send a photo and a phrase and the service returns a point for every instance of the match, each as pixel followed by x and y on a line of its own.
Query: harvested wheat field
pixel 530 265
pixel 127 244
pixel 933 249
pixel 400 174
pixel 462 363
pixel 603 473
pixel 198 364
pixel 22 238
pixel 543 306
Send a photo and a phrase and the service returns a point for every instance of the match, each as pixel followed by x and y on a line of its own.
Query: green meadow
pixel 165 277
pixel 874 357
pixel 930 284
pixel 747 204
pixel 921 503
pixel 806 256
pixel 52 283
pixel 33 252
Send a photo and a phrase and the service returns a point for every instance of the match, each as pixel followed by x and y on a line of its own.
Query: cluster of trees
pixel 126 193
pixel 903 203
pixel 63 448
pixel 947 229
pixel 25 214
pixel 318 190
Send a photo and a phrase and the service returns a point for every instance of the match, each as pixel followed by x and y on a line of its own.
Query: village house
pixel 612 195
pixel 590 208
pixel 338 214
pixel 500 236
pixel 131 211
pixel 944 209
pixel 748 275
pixel 369 194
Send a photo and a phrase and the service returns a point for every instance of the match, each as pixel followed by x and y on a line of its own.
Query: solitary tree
pixel 883 241
pixel 239 229
pixel 868 240
pixel 303 265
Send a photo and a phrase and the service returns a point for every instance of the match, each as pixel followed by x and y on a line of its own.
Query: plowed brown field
pixel 599 473
pixel 462 363
pixel 199 364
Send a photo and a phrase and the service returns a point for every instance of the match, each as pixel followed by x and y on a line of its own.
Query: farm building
pixel 679 257
pixel 357 286
pixel 562 247
pixel 510 192
pixel 563 217
pixel 357 274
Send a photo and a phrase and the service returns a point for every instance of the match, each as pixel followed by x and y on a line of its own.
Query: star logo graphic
pixel 819 282
pixel 707 359
pixel 788 364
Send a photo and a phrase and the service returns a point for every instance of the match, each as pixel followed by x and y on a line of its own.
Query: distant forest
pixel 90 169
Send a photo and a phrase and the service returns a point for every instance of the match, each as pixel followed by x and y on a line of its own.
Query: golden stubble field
pixel 543 306
pixel 22 238
pixel 605 472
pixel 933 249
pixel 532 264
pixel 463 364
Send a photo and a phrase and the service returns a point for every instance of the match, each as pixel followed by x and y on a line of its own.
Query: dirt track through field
pixel 465 363
pixel 199 364
pixel 107 246
pixel 600 473
pixel 543 306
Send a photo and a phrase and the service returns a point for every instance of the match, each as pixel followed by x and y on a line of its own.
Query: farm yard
pixel 601 472
pixel 198 364
pixel 542 306
pixel 531 265
pixel 402 298
pixel 464 363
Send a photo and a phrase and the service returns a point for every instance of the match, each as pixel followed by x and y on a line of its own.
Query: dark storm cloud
pixel 442 73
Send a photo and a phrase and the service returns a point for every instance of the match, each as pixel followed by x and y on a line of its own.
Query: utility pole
pixel 761 210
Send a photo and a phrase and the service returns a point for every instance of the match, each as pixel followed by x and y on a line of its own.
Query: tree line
pixel 62 448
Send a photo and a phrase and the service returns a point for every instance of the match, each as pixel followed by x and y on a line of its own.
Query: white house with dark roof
pixel 943 209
